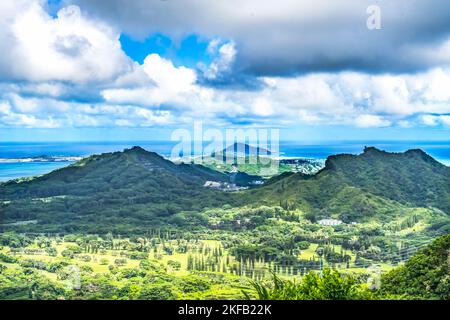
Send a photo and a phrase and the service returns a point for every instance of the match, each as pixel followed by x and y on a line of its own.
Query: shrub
pixel 331 286
pixel 158 292
pixel 6 258
pixel 175 265
pixel 120 262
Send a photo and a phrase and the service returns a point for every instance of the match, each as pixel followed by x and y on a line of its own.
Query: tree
pixel 426 275
pixel 331 286
pixel 158 292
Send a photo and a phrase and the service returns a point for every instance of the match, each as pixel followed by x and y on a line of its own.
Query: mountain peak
pixel 371 155
pixel 416 151
pixel 135 149
pixel 141 152
pixel 419 153
pixel 243 149
pixel 372 150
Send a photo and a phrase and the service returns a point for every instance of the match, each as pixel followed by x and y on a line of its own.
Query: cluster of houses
pixel 224 186
pixel 332 222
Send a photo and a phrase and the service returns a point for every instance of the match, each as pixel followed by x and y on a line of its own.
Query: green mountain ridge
pixel 139 188
pixel 355 186
pixel 132 188
pixel 242 150
pixel 126 217
pixel 110 171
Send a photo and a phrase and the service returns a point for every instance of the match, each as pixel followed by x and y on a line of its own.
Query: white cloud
pixel 167 76
pixel 309 117
pixel 44 89
pixel 11 119
pixel 75 56
pixel 445 120
pixel 70 47
pixel 433 120
pixel 166 83
pixel 405 124
pixel 222 64
pixel 5 108
pixel 262 107
pixel 50 113
pixel 436 85
pixel 298 35
pixel 430 120
pixel 369 121
pixel 152 118
pixel 32 105
pixel 213 45
pixel 326 98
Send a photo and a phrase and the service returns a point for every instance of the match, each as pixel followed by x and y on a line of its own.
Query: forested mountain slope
pixel 354 186
pixel 140 189
pixel 133 168
pixel 134 187
pixel 424 276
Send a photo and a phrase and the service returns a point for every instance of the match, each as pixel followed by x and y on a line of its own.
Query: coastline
pixel 29 160
pixel 41 159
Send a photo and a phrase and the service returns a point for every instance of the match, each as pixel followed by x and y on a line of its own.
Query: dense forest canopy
pixel 137 189
pixel 125 219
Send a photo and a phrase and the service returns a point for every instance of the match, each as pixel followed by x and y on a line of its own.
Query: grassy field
pixel 101 262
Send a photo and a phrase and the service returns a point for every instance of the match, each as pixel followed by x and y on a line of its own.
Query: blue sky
pixel 189 51
pixel 106 70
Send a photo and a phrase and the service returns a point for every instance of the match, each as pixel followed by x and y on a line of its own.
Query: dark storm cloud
pixel 296 36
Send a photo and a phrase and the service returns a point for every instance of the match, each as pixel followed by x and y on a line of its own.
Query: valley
pixel 133 225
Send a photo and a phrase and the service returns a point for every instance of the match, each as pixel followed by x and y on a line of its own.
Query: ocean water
pixel 17 170
pixel 438 150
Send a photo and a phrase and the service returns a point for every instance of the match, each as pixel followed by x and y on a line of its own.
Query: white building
pixel 330 222
pixel 212 184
